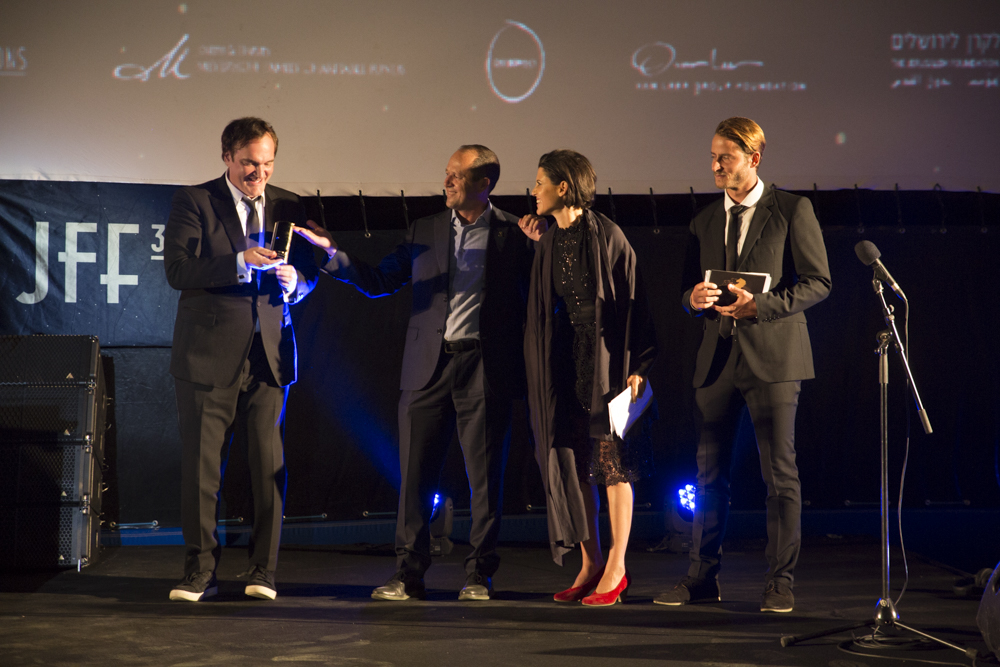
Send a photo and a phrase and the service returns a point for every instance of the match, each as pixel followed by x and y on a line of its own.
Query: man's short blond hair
pixel 744 133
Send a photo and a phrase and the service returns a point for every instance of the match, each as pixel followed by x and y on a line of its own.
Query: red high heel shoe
pixel 577 593
pixel 617 594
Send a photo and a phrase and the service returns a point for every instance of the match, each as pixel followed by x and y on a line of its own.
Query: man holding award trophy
pixel 233 353
pixel 766 248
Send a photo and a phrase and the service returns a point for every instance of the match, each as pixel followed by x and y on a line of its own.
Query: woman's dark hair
pixel 242 131
pixel 576 171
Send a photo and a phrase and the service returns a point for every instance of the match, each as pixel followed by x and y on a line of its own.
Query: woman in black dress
pixel 588 337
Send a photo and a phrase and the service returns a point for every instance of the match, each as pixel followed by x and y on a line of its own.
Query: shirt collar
pixel 238 194
pixel 483 219
pixel 751 199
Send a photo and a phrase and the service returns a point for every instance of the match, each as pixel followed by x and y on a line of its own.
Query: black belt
pixel 463 345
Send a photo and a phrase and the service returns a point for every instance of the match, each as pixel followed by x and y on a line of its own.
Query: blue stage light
pixel 678 518
pixel 685 497
pixel 441 525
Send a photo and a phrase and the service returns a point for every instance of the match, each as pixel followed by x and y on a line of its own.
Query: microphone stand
pixel 886 618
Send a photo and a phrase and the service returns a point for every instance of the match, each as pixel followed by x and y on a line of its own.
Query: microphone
pixel 869 256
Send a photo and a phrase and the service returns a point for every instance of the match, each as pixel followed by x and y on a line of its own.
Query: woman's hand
pixel 638 384
pixel 533 226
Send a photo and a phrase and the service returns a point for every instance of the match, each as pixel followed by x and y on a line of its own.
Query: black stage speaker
pixel 988 617
pixel 52 421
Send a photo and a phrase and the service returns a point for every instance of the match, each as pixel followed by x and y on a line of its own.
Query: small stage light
pixel 678 516
pixel 441 524
pixel 685 497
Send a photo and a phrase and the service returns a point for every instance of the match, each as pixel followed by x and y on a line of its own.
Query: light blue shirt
pixel 467 266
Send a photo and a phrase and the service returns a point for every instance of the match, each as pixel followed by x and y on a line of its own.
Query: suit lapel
pixel 717 236
pixel 499 230
pixel 267 224
pixel 761 214
pixel 225 210
pixel 442 240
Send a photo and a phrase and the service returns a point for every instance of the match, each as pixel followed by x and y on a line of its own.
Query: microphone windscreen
pixel 867 252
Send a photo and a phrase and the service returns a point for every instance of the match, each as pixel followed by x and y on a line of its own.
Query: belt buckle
pixel 454 347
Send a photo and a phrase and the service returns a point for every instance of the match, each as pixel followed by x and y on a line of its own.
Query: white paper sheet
pixel 623 412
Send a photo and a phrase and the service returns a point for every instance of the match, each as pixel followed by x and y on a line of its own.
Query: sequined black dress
pixel 603 460
pixel 588 329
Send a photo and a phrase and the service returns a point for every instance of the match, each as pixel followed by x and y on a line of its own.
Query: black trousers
pixel 719 407
pixel 456 396
pixel 208 416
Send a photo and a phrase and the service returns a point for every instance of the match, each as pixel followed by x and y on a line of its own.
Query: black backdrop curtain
pixel 341 428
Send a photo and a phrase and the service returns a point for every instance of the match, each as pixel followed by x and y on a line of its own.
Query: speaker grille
pixel 33 413
pixel 52 414
pixel 47 536
pixel 48 359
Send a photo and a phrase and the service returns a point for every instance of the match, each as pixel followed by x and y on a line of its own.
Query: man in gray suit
pixel 754 355
pixel 463 362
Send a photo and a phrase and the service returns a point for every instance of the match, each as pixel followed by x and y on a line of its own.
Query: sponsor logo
pixel 662 70
pixel 13 61
pixel 169 65
pixel 218 59
pixel 515 62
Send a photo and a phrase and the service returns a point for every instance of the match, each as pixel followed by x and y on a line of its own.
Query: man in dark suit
pixel 233 353
pixel 463 362
pixel 754 355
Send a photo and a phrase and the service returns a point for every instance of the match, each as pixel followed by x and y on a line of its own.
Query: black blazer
pixel 215 326
pixel 785 240
pixel 423 259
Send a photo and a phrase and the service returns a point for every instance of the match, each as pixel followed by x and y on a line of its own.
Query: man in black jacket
pixel 463 361
pixel 754 355
pixel 233 354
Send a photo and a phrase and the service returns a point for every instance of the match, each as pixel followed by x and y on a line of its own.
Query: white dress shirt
pixel 243 270
pixel 750 201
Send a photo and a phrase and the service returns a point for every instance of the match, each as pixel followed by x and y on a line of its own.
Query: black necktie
pixel 253 232
pixel 732 258
pixel 733 237
pixel 253 222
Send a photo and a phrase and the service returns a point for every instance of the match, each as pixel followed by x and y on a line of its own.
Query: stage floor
pixel 116 612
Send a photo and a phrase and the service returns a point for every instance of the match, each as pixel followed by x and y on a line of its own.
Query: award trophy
pixel 281 241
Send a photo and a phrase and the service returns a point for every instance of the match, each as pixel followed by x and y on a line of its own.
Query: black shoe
pixel 195 587
pixel 777 597
pixel 690 590
pixel 477 587
pixel 261 584
pixel 401 587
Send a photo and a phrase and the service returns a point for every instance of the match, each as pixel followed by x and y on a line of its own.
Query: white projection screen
pixel 374 96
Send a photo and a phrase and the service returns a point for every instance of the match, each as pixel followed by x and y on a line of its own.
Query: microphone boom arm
pixel 890 321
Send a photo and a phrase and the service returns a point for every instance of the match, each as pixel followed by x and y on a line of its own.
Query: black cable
pixel 877 645
pixel 906 455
